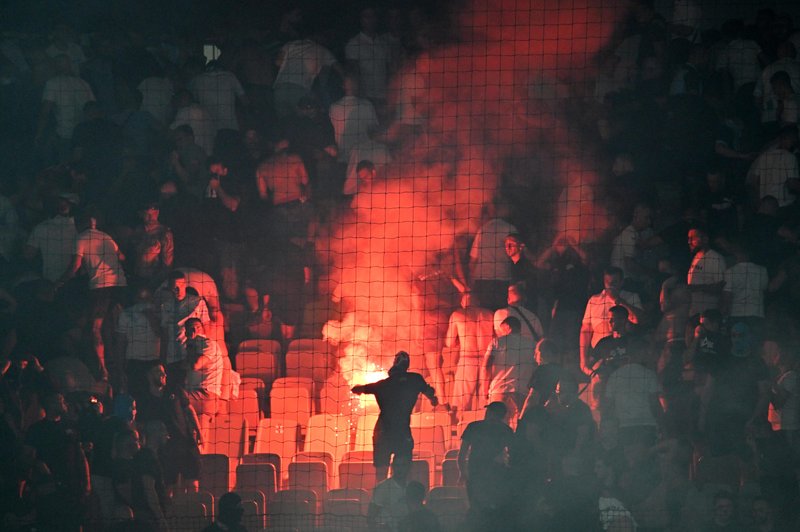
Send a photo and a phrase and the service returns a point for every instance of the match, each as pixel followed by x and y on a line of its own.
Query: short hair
pixel 515 237
pixel 415 492
pixel 185 129
pixel 497 409
pixel 174 275
pixel 519 287
pixel 548 349
pixel 365 164
pixel 781 76
pixel 614 270
pixel 513 323
pixel 724 495
pixel 712 314
pixel 191 321
pixel 619 309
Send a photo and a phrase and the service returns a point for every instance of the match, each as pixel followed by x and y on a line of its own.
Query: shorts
pixel 101 299
pixel 384 445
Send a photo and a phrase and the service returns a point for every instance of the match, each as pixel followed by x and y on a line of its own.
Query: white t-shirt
pixel 771 170
pixel 206 373
pixel 142 341
pixel 55 240
pixel 203 125
pixel 69 94
pixel 631 388
pixel 157 97
pixel 512 364
pixel 352 119
pixel 763 88
pixel 740 59
pixel 100 259
pixel 217 92
pixel 372 56
pixel 488 252
pixel 747 283
pixel 707 268
pixel 596 314
pixel 624 247
pixel 302 63
pixel 522 314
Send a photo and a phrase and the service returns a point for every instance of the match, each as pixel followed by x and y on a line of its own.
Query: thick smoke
pixel 475 106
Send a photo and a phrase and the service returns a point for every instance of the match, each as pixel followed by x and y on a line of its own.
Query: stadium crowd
pixel 162 200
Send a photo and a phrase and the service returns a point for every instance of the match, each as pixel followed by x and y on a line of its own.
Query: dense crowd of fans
pixel 646 379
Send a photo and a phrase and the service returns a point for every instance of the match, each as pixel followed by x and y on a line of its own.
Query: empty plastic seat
pixel 429 440
pixel 450 472
pixel 247 406
pixel 290 403
pixel 317 345
pixel 277 436
pixel 357 475
pixel 264 458
pixel 257 477
pixel 226 434
pixel 188 515
pixel 421 472
pixel 309 476
pixel 348 493
pixel 259 345
pixel 308 364
pixel 328 433
pixel 364 428
pixel 293 509
pixel 261 364
pixel 217 472
pixel 318 456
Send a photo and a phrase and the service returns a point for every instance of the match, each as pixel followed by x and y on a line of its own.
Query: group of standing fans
pixel 624 376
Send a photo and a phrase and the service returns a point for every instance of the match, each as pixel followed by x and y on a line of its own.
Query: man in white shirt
pixel 775 172
pixel 353 118
pixel 198 118
pixel 299 64
pixel 176 306
pixel 531 325
pixel 706 275
pixel 765 98
pixel 508 367
pixel 54 240
pixel 205 369
pixel 743 293
pixel 740 58
pixel 218 91
pixel 136 341
pixel 370 53
pixel 595 325
pixel 490 267
pixel 624 251
pixel 631 396
pixel 100 257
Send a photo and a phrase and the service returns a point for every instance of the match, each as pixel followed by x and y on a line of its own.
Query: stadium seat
pixel 264 458
pixel 290 402
pixel 257 477
pixel 450 472
pixel 296 509
pixel 314 365
pixel 356 475
pixel 364 428
pixel 261 364
pixel 216 473
pixel 309 476
pixel 226 434
pixel 278 436
pixel 429 440
pixel 328 433
pixel 247 406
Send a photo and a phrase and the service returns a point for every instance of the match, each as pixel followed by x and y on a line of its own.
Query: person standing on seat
pixel 396 396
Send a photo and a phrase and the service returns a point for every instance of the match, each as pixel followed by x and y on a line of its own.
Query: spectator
pixel 490 267
pixel 149 495
pixel 775 172
pixel 153 248
pixel 508 367
pixel 205 374
pixel 743 294
pixel 706 274
pixel 396 397
pixel 483 462
pixel 353 118
pixel 419 517
pixel 625 253
pixel 469 330
pixel 532 327
pixel 230 514
pixel 218 91
pixel 54 239
pixel 370 54
pixel 136 341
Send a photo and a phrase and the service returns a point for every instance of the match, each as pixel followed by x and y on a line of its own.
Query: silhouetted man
pixel 396 398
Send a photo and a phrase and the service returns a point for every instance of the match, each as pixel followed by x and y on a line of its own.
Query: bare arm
pixel 71 270
pixel 585 346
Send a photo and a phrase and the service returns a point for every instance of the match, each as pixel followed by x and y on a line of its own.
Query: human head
pixel 763 511
pixel 781 84
pixel 184 135
pixel 157 378
pixel 401 467
pixel 710 320
pixel 369 20
pixel 415 494
pixel 54 405
pixel 511 325
pixel 724 508
pixel 618 318
pixel 546 352
pixel 612 280
pixel 496 410
pixel 698 239
pixel 516 294
pixel 66 202
pixel 366 172
pixel 351 84
pixel 125 407
pixel 401 363
pixel 126 443
pixel 567 390
pixel 149 213
pixel 177 284
pixel 194 328
pixel 642 217
pixel 230 509
pixel 514 245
